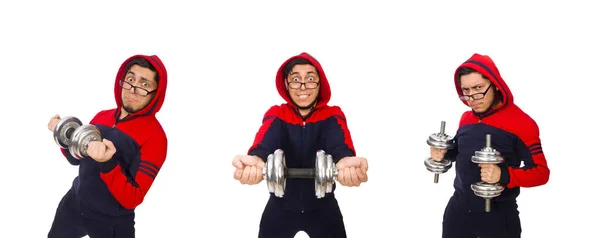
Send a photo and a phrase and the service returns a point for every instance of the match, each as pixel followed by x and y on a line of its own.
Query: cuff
pixel 337 157
pixel 504 174
pixel 262 156
pixel 107 166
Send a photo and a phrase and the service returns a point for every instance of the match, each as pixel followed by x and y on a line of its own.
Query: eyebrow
pixel 476 85
pixel 309 72
pixel 144 79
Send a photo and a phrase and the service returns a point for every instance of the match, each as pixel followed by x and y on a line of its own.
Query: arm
pixel 338 141
pixel 130 193
pixel 270 135
pixel 535 172
pixel 452 153
pixel 69 157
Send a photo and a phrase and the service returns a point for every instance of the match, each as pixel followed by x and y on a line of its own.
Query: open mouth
pixel 303 97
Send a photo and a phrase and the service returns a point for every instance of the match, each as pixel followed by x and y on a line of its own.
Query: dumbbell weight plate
pixel 275 176
pixel 320 185
pixel 437 167
pixel 486 190
pixel 331 173
pixel 487 156
pixel 64 129
pixel 440 141
pixel 80 139
pixel 325 171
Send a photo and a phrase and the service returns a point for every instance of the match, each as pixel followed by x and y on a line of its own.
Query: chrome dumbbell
pixel 275 173
pixel 72 134
pixel 440 141
pixel 487 155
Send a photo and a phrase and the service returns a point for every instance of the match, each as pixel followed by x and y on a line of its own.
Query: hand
pixel 101 151
pixel 248 169
pixel 490 173
pixel 352 171
pixel 53 121
pixel 437 154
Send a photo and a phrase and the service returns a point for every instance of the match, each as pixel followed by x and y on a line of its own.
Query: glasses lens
pixel 478 96
pixel 141 92
pixel 125 85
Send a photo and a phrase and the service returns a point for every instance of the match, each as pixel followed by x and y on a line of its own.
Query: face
pixel 474 83
pixel 304 95
pixel 142 79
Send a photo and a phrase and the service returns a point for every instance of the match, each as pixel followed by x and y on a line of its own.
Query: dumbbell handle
pixel 305 173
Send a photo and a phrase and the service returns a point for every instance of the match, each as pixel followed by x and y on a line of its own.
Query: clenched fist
pixel 490 173
pixel 53 121
pixel 437 154
pixel 352 171
pixel 248 169
pixel 101 151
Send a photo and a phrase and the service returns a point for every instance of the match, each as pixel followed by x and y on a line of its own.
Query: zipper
pixel 302 148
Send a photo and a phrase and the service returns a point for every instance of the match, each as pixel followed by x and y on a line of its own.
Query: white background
pixel 390 68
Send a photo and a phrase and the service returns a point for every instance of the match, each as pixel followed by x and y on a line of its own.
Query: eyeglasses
pixel 475 96
pixel 307 85
pixel 138 90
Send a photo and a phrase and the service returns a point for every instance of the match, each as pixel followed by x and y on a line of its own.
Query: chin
pixel 304 104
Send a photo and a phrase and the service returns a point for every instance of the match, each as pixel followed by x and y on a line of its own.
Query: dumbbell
pixel 275 173
pixel 72 134
pixel 487 155
pixel 440 141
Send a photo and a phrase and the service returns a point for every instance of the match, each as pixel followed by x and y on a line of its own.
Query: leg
pixel 327 222
pixel 114 228
pixel 278 223
pixel 67 221
pixel 457 222
pixel 500 224
pixel 126 230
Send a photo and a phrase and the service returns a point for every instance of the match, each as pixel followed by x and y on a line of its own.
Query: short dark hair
pixel 142 63
pixel 466 70
pixel 290 65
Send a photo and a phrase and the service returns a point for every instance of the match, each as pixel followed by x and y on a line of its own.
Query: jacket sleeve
pixel 130 193
pixel 72 160
pixel 270 135
pixel 338 141
pixel 535 171
pixel 452 153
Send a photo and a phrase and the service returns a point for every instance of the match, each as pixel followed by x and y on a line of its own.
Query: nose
pixel 131 90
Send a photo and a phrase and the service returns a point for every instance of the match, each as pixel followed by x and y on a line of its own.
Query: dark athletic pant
pixel 498 223
pixel 70 222
pixel 277 222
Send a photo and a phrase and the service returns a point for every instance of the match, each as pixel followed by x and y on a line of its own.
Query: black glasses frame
pixel 297 85
pixel 141 91
pixel 476 96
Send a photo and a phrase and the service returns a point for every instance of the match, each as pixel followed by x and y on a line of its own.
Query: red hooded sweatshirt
pixel 514 134
pixel 301 137
pixel 116 187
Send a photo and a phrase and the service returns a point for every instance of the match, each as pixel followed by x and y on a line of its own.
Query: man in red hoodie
pixel 513 133
pixel 119 170
pixel 300 127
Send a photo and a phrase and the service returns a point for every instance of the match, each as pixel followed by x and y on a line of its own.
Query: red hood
pixel 324 91
pixel 485 66
pixel 159 97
